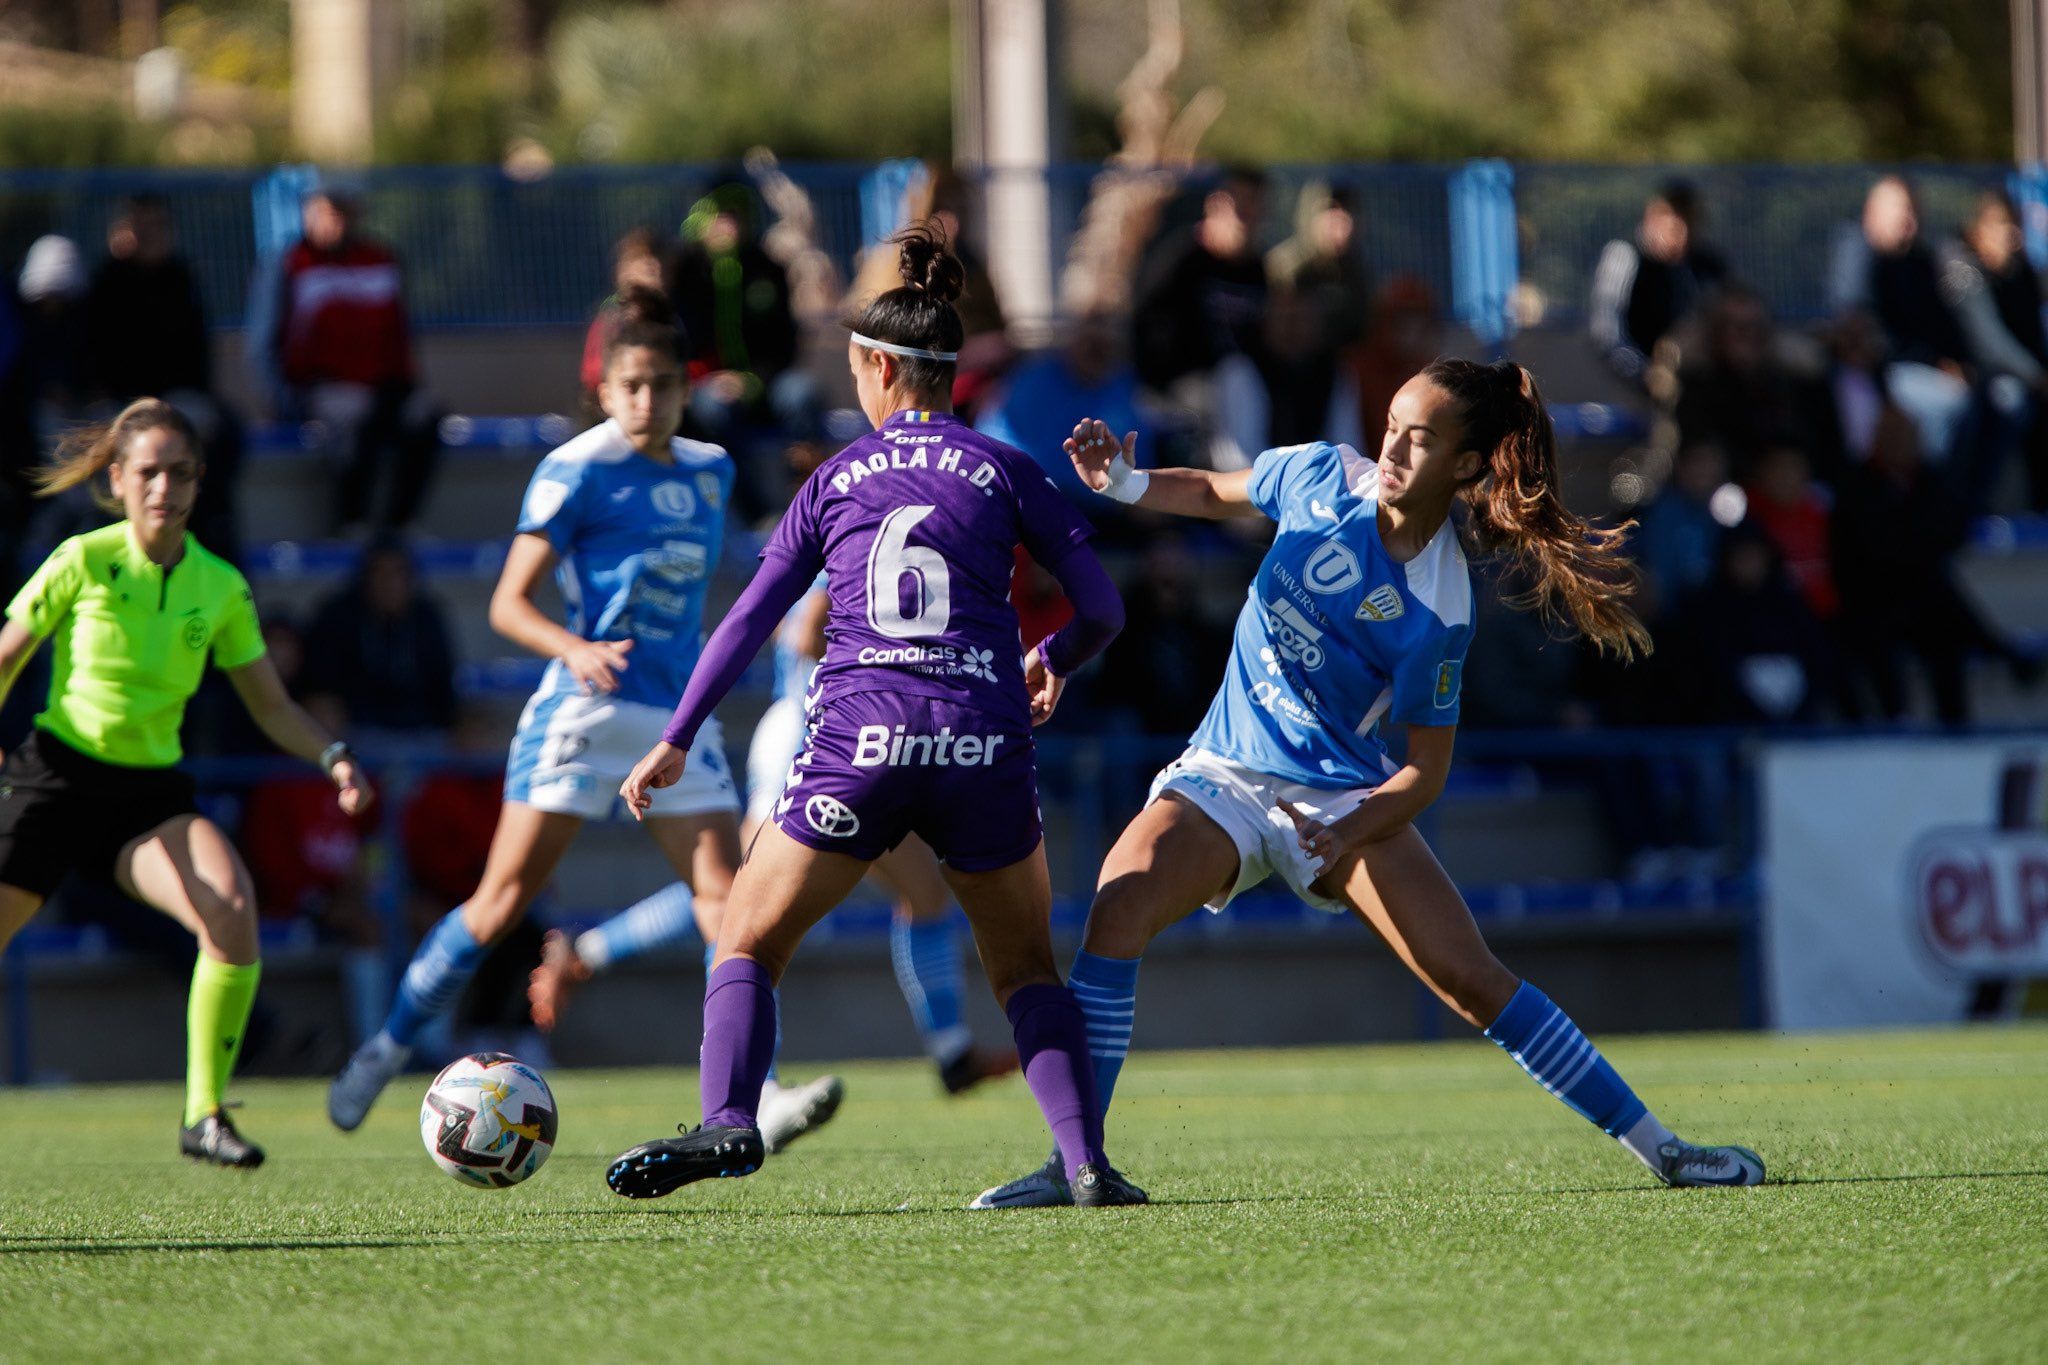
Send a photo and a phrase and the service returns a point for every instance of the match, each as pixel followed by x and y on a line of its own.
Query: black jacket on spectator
pixel 1166 662
pixel 1744 652
pixel 1637 299
pixel 734 309
pixel 393 672
pixel 1905 294
pixel 148 332
pixel 1194 308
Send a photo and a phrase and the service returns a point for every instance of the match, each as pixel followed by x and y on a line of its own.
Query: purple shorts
pixel 877 766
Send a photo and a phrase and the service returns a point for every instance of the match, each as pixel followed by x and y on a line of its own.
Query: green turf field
pixel 1320 1204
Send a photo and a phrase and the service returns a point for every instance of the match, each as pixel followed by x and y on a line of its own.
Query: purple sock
pixel 739 1042
pixel 1052 1043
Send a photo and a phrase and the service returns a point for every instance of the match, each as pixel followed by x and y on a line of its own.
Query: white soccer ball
pixel 488 1119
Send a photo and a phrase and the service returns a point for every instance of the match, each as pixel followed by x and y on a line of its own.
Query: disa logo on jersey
pixel 1293 635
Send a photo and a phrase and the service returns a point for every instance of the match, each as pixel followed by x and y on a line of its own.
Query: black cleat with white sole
pixel 1102 1187
pixel 214 1140
pixel 656 1168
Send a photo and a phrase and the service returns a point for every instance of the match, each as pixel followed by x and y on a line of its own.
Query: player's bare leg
pixel 525 850
pixel 926 954
pixel 1169 861
pixel 782 890
pixel 1398 888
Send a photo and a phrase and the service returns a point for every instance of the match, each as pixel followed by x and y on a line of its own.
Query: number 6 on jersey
pixel 890 561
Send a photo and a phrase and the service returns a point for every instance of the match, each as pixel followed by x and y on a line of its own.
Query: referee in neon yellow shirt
pixel 134 609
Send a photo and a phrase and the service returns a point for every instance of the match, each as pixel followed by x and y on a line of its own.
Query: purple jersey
pixel 915 526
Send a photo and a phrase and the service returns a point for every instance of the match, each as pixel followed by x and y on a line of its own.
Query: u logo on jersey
pixel 1381 604
pixel 674 499
pixel 1332 568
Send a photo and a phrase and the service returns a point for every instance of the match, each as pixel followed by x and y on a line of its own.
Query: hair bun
pixel 639 303
pixel 927 265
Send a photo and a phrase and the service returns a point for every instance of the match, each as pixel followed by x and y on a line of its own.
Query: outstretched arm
pixel 739 637
pixel 1109 467
pixel 291 729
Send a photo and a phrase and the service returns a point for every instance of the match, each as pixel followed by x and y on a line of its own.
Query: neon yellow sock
pixel 215 1019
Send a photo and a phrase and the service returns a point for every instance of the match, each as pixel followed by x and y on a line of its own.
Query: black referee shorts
pixel 65 811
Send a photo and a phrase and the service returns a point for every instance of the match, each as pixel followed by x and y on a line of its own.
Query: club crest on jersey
pixel 830 817
pixel 1447 675
pixel 707 489
pixel 195 631
pixel 1332 568
pixel 1381 604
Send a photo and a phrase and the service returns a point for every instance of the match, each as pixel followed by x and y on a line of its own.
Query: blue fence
pixel 485 249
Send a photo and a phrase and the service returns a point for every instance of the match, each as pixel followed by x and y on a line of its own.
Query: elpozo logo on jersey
pixel 1293 634
pixel 1381 604
pixel 830 817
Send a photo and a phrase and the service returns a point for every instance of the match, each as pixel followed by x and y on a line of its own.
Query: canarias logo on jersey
pixel 1448 674
pixel 1381 604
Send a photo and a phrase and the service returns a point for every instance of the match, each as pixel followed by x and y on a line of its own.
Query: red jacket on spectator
pixel 447 828
pixel 299 844
pixel 1800 530
pixel 343 316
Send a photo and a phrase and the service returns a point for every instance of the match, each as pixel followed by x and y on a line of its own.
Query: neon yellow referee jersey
pixel 132 640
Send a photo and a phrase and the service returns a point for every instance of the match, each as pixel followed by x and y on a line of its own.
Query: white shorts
pixel 571 753
pixel 1244 804
pixel 778 739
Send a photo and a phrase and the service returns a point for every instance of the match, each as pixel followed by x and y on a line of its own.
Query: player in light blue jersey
pixel 1360 615
pixel 923 937
pixel 631 519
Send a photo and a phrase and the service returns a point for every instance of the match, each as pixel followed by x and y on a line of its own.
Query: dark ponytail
pixel 643 317
pixel 920 312
pixel 1581 572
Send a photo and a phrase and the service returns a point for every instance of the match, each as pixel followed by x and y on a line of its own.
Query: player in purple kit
pixel 921 724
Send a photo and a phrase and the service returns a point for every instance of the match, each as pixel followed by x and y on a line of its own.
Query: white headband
pixel 914 352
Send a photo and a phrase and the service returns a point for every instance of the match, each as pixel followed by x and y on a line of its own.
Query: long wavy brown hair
pixel 1581 573
pixel 86 452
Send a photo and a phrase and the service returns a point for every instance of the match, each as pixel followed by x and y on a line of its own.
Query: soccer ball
pixel 488 1119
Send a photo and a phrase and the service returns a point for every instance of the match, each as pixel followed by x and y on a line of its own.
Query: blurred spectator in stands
pixel 380 647
pixel 1678 539
pixel 1743 649
pixel 733 302
pixel 1887 269
pixel 1320 292
pixel 1739 394
pixel 55 345
pixel 1856 385
pixel 19 453
pixel 940 193
pixel 338 347
pixel 311 862
pixel 1199 319
pixel 1403 333
pixel 1795 512
pixel 1989 282
pixel 1897 528
pixel 636 264
pixel 1518 675
pixel 1643 288
pixel 147 332
pixel 1036 405
pixel 446 830
pixel 1161 670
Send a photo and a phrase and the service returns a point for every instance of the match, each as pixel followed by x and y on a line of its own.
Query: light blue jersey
pixel 1334 635
pixel 638 542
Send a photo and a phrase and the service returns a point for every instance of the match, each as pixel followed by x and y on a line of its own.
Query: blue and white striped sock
pixel 1107 988
pixel 656 921
pixel 1545 1043
pixel 927 958
pixel 447 958
pixel 710 953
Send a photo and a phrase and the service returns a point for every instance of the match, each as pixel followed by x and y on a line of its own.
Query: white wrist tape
pixel 1125 483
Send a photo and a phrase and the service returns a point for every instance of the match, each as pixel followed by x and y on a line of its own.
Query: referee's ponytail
pixel 1582 573
pixel 86 452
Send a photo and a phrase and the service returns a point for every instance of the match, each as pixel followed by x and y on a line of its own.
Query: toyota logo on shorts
pixel 830 817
